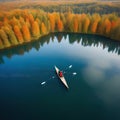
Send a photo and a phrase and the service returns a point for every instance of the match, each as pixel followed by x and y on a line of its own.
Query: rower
pixel 60 74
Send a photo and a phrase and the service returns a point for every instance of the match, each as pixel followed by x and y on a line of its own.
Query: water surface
pixel 94 91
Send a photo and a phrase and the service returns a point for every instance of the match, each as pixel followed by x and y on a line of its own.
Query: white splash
pixel 70 66
pixel 43 83
pixel 74 73
pixel 53 77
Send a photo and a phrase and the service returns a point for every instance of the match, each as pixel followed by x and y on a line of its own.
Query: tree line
pixel 77 8
pixel 85 41
pixel 20 26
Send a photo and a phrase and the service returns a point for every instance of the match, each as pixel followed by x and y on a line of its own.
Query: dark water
pixel 94 92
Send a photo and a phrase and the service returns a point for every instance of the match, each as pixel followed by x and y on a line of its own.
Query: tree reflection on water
pixel 84 40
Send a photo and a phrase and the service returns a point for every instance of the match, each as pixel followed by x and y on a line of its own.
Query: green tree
pixel 1 44
pixel 4 38
pixel 11 36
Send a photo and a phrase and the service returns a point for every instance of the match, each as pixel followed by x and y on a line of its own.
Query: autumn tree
pixel 1 44
pixel 21 20
pixel 35 29
pixel 107 24
pixel 31 18
pixel 4 38
pixel 115 32
pixel 43 29
pixel 52 22
pixel 48 27
pixel 69 22
pixel 6 22
pixel 45 19
pixel 18 34
pixel 95 18
pixel 19 26
pixel 100 27
pixel 14 21
pixel 62 17
pixel 26 33
pixel 59 25
pixel 38 21
pixel 75 24
pixel 27 22
pixel 86 23
pixel 11 35
pixel 80 24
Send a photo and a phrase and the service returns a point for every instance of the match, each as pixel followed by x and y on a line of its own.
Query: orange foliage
pixel 21 20
pixel 107 26
pixel 27 22
pixel 113 24
pixel 75 24
pixel 1 44
pixel 59 25
pixel 68 24
pixel 52 22
pixel 23 25
pixel 18 34
pixel 94 22
pixel 35 29
pixel 5 20
pixel 26 33
pixel 86 24
pixel 43 29
pixel 31 18
pixel 94 26
pixel 100 27
pixel 1 24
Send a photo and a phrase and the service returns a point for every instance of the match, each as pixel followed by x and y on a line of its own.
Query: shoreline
pixel 38 38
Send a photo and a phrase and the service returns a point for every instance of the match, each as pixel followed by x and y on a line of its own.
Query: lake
pixel 94 92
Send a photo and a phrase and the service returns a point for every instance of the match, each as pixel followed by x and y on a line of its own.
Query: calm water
pixel 94 91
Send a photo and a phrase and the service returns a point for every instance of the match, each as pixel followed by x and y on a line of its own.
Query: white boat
pixel 61 78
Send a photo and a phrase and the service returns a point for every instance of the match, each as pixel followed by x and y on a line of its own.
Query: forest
pixel 77 8
pixel 21 26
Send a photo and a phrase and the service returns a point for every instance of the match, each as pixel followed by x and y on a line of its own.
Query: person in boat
pixel 60 74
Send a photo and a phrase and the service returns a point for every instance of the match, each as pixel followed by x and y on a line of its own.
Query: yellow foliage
pixel 52 22
pixel 107 26
pixel 35 29
pixel 19 26
pixel 1 44
pixel 11 35
pixel 59 25
pixel 18 34
pixel 43 29
pixel 75 24
pixel 86 24
pixel 26 33
pixel 4 38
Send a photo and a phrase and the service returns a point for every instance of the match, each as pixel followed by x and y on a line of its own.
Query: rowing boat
pixel 61 78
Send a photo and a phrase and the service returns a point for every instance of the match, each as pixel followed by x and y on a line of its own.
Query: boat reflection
pixel 84 40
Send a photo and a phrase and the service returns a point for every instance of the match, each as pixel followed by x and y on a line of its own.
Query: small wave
pixel 74 73
pixel 70 66
pixel 43 83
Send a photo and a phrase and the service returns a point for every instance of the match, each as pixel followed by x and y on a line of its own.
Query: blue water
pixel 94 92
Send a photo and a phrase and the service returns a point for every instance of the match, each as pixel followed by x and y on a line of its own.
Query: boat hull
pixel 61 78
